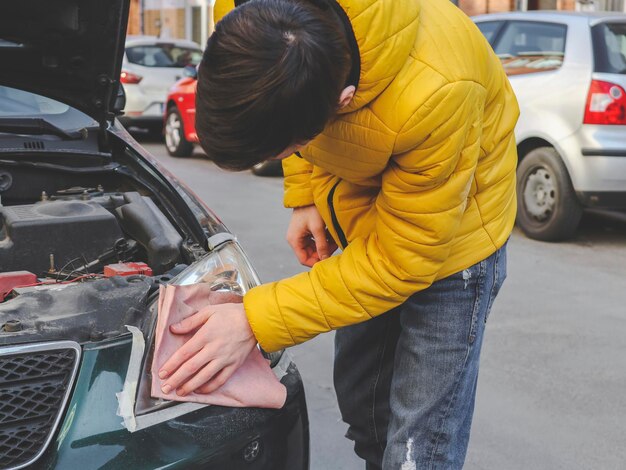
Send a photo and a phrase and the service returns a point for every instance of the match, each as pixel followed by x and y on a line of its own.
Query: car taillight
pixel 129 78
pixel 606 104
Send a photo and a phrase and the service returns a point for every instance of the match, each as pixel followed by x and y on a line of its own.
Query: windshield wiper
pixel 39 126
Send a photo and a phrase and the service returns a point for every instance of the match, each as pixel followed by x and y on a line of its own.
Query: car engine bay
pixel 82 249
pixel 80 231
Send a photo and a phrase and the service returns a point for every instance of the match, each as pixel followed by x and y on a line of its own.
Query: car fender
pixel 532 139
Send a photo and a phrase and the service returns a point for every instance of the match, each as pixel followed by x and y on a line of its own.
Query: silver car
pixel 568 71
pixel 150 67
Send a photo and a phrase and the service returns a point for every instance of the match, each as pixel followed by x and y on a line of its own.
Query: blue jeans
pixel 406 380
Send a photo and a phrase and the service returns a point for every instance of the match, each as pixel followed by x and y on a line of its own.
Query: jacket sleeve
pixel 297 182
pixel 418 212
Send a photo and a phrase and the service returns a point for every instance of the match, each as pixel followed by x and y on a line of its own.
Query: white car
pixel 150 67
pixel 568 71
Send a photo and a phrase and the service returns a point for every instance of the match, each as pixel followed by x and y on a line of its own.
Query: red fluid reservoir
pixel 127 269
pixel 13 279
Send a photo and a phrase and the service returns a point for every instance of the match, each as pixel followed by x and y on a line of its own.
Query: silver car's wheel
pixel 540 193
pixel 548 208
pixel 175 142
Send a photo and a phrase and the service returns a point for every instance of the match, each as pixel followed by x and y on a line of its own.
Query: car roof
pixel 589 17
pixel 149 40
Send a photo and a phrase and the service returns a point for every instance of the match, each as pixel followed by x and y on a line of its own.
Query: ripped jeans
pixel 406 380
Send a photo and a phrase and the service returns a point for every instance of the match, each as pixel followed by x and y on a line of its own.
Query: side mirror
pixel 190 71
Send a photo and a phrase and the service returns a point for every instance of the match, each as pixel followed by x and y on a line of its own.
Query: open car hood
pixel 68 50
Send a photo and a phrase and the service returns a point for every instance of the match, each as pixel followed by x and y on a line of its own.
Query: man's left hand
pixel 221 343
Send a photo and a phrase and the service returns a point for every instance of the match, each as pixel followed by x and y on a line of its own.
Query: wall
pixel 477 7
pixel 166 23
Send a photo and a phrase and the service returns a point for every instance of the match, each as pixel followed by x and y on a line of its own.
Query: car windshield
pixel 163 55
pixel 609 41
pixel 16 103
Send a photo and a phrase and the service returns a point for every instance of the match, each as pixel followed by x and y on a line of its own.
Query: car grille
pixel 35 381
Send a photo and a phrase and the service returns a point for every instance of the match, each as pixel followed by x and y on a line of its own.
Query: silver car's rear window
pixel 531 46
pixel 163 55
pixel 523 38
pixel 609 44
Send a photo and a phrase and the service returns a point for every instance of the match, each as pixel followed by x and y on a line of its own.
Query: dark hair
pixel 270 77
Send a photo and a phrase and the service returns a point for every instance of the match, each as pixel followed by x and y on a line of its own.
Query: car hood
pixel 68 50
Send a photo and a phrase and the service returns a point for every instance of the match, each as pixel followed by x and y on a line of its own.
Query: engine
pixel 86 232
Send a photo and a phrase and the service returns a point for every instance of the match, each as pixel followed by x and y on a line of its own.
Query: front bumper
pixel 92 435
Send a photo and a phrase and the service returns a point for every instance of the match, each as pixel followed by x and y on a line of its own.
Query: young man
pixel 403 118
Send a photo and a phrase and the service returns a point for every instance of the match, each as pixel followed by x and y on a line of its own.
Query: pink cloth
pixel 252 385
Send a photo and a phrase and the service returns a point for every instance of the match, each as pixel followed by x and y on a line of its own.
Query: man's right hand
pixel 308 237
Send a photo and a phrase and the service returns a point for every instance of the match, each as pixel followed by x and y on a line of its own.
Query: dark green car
pixel 90 227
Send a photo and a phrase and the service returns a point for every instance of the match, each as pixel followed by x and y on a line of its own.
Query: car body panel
pixel 598 170
pixel 194 440
pixel 183 96
pixel 75 58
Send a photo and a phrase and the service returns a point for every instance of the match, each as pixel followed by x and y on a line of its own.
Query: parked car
pixel 150 67
pixel 90 227
pixel 180 123
pixel 568 71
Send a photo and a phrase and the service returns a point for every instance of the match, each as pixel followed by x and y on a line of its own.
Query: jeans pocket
pixel 478 274
pixel 469 288
pixel 499 275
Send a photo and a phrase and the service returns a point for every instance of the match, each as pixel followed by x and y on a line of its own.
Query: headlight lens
pixel 226 269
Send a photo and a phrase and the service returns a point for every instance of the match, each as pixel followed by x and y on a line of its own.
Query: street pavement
pixel 552 388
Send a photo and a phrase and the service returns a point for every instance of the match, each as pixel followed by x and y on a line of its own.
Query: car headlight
pixel 226 268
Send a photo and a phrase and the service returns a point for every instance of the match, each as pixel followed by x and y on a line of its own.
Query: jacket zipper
pixel 342 236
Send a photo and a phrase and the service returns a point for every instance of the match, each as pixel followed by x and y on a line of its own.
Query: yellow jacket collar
pixel 385 32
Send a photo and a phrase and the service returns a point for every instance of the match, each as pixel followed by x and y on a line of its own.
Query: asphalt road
pixel 552 389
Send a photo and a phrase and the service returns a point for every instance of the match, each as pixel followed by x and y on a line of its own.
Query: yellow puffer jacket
pixel 221 8
pixel 416 179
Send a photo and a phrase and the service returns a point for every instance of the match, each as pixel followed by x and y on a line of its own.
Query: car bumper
pixel 211 437
pixel 596 160
pixel 141 104
pixel 603 199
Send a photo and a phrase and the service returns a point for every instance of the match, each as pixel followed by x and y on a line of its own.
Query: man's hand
pixel 221 343
pixel 308 237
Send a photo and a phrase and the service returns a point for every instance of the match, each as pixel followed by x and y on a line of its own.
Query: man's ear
pixel 346 96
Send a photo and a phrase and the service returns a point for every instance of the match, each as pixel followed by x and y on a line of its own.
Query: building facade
pixel 193 19
pixel 180 19
pixel 477 7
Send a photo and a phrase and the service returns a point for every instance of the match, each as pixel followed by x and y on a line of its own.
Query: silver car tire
pixel 547 205
pixel 175 142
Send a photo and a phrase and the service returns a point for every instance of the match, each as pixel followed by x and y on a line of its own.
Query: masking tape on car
pixel 280 369
pixel 126 398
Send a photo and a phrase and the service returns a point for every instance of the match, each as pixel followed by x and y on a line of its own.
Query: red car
pixel 180 115
pixel 180 123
